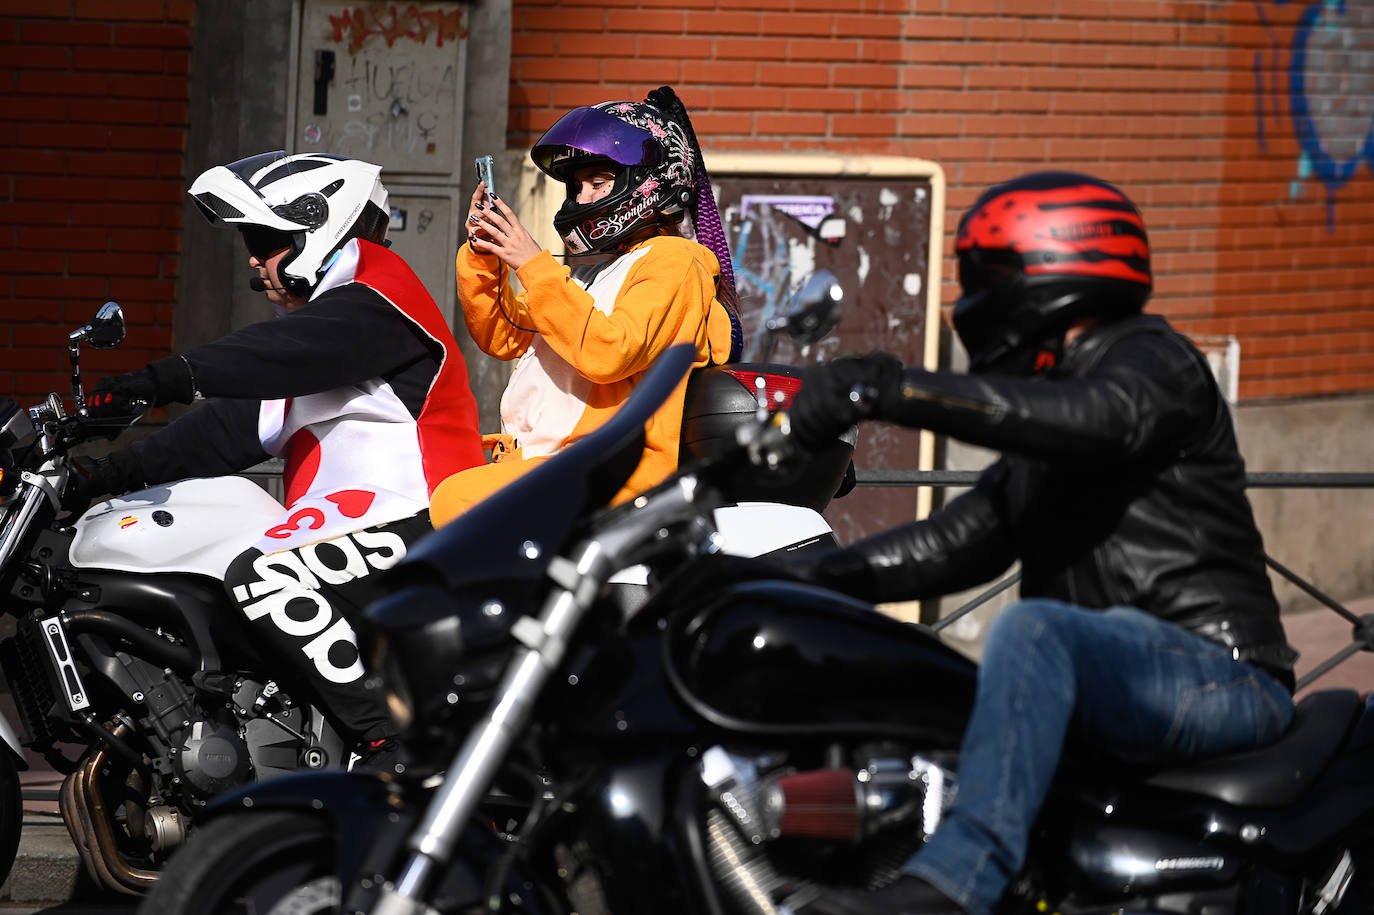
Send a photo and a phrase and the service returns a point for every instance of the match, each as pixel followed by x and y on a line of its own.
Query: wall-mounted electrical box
pixel 384 82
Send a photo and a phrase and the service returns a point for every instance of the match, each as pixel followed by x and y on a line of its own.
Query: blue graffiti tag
pixel 1330 92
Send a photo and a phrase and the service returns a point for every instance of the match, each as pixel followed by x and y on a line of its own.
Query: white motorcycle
pixel 131 672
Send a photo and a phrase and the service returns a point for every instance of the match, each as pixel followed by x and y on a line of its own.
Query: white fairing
pixel 756 528
pixel 195 526
pixel 753 529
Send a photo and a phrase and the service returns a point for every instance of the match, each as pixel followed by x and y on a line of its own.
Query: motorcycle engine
pixel 878 811
pixel 211 759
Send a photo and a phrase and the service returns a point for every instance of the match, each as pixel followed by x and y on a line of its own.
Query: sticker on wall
pixel 311 134
pixel 817 213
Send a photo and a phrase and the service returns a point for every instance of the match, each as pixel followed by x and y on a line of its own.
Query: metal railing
pixel 1362 637
pixel 1252 480
pixel 268 474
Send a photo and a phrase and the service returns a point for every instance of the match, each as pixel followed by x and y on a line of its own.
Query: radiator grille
pixel 26 669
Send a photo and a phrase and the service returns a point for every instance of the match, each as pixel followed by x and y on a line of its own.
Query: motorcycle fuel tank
pixel 778 655
pixel 195 526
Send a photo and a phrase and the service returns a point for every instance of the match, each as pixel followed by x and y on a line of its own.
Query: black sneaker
pixel 907 895
pixel 383 754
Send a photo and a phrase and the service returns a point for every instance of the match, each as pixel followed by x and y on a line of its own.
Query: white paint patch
pixel 856 215
pixel 801 259
pixel 887 202
pixel 911 284
pixel 864 263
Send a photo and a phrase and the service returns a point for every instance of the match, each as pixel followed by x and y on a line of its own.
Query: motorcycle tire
pixel 251 863
pixel 11 813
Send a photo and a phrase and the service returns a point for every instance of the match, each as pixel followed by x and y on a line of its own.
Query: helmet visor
pixel 247 168
pixel 597 133
pixel 226 193
pixel 263 243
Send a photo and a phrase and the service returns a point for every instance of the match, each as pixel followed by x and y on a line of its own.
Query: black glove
pixel 92 478
pixel 162 382
pixel 122 395
pixel 840 570
pixel 837 394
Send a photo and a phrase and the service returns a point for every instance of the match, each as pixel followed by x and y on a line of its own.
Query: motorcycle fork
pixel 543 644
pixel 545 641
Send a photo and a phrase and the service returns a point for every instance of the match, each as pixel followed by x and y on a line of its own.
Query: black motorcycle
pixel 131 672
pixel 729 741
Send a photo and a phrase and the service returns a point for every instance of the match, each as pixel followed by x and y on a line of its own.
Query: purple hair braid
pixel 706 217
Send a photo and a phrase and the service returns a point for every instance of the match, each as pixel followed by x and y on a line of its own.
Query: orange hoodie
pixel 583 337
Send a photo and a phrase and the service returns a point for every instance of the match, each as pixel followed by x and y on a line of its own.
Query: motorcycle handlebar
pixel 769 443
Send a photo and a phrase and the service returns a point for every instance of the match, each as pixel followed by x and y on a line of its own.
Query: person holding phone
pixel 584 334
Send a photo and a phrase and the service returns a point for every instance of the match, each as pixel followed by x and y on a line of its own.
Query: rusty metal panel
pixel 875 224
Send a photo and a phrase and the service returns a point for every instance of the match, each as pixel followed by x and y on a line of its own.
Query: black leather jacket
pixel 1120 484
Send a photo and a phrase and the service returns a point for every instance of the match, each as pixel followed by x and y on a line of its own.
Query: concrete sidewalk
pixel 48 876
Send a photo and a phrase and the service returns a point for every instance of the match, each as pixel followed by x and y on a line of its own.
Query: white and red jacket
pixel 362 391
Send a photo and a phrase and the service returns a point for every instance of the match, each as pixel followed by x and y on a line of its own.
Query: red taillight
pixel 778 389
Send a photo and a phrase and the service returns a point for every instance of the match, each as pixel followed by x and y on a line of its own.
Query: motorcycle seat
pixel 1280 773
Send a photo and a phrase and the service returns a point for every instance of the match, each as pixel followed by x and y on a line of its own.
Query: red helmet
pixel 1036 254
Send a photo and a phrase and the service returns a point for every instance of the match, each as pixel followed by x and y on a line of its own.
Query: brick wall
pixel 1238 126
pixel 94 100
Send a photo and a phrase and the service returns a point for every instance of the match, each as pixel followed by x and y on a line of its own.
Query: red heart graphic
pixel 353 503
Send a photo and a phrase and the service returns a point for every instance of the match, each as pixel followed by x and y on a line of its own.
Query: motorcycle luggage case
pixel 719 400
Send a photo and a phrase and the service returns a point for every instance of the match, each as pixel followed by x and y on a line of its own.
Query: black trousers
pixel 303 603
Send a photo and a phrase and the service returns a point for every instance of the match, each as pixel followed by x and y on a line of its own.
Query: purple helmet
pixel 654 172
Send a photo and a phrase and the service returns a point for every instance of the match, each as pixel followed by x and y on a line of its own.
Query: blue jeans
pixel 1137 687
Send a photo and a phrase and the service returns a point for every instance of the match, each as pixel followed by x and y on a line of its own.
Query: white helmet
pixel 312 201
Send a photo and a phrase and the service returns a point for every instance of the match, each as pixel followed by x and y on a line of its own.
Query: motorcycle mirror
pixel 814 309
pixel 106 329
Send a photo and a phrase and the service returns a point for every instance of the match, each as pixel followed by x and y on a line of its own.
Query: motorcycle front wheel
pixel 11 812
pixel 277 863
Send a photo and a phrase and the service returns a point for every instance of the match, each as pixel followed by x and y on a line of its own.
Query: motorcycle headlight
pixel 388 663
pixel 440 657
pixel 15 425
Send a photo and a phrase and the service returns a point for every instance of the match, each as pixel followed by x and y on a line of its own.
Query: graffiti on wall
pixel 358 24
pixel 1329 82
pixel 382 82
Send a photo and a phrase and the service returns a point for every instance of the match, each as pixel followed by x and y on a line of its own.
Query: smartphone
pixel 484 168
